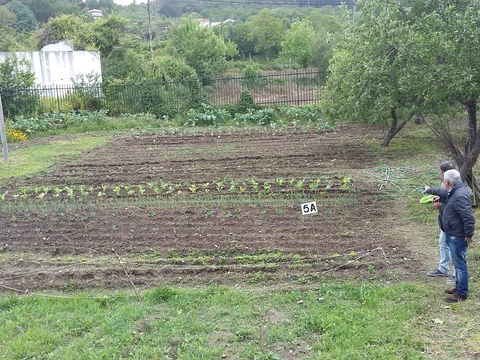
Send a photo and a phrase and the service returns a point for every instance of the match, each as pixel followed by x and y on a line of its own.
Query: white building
pixel 95 13
pixel 59 64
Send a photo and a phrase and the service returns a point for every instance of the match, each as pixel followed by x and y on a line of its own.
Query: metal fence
pixel 291 87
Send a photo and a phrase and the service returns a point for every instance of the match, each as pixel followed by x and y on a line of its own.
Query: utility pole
pixel 3 134
pixel 150 29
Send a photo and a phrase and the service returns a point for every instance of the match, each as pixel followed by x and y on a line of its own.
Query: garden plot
pixel 223 208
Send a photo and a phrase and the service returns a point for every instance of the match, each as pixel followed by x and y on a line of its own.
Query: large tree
pixel 268 33
pixel 451 69
pixel 409 56
pixel 25 20
pixel 298 44
pixel 199 46
pixel 368 81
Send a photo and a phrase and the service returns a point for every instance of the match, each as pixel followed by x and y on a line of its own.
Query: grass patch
pixel 40 157
pixel 342 321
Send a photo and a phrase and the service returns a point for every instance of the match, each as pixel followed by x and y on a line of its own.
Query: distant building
pixel 208 23
pixel 95 13
pixel 204 22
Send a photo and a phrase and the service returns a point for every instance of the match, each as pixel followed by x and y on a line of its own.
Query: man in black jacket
pixel 458 224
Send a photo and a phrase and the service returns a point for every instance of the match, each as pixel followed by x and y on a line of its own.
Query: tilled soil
pixel 255 236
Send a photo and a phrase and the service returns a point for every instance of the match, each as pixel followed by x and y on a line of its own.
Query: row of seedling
pixel 160 188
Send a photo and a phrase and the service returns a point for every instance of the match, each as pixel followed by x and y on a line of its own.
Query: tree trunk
pixel 394 128
pixel 467 160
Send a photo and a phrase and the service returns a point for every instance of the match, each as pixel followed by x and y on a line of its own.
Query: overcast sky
pixel 127 2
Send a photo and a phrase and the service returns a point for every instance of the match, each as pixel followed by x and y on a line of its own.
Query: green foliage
pixel 325 22
pixel 253 76
pixel 7 18
pixel 153 99
pixel 167 69
pixel 246 102
pixel 162 293
pixel 25 20
pixel 260 117
pixel 66 28
pixel 240 35
pixel 121 64
pixel 15 79
pixel 297 47
pixel 200 47
pixel 207 116
pixel 105 33
pixel 268 33
pixel 48 123
pixel 368 77
pixel 196 99
pixel 164 85
pixel 231 49
pixel 87 92
pixel 300 114
pixel 46 9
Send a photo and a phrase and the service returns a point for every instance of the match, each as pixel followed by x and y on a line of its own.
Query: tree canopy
pixel 410 56
pixel 268 33
pixel 201 48
pixel 298 44
pixel 24 18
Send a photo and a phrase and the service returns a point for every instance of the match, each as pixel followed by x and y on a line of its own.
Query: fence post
pixel 58 97
pixel 3 134
pixel 296 81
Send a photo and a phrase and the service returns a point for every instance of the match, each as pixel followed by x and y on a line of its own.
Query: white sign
pixel 309 208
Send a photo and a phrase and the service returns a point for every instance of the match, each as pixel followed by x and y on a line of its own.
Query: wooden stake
pixel 3 134
pixel 128 276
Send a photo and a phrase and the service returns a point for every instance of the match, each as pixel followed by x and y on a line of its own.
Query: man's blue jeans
pixel 458 250
pixel 444 254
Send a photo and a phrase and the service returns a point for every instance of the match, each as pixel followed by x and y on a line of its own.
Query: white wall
pixel 59 67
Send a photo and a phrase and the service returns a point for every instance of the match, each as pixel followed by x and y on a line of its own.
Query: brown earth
pixel 255 236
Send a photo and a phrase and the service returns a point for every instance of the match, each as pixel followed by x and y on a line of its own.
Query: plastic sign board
pixel 309 208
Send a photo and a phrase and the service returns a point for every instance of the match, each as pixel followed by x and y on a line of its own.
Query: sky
pixel 127 2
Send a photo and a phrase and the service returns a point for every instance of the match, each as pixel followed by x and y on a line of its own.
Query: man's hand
pixel 436 203
pixel 426 188
pixel 469 240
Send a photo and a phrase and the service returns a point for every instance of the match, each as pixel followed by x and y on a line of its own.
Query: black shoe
pixel 437 273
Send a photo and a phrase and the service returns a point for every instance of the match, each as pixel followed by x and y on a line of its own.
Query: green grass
pixel 337 321
pixel 35 158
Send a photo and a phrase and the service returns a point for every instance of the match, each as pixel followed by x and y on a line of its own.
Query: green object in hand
pixel 427 199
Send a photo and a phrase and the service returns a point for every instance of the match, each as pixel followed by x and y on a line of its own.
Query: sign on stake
pixel 310 208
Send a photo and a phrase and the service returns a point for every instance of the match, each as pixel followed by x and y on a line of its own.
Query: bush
pixel 15 82
pixel 55 121
pixel 260 117
pixel 207 116
pixel 253 76
pixel 246 102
